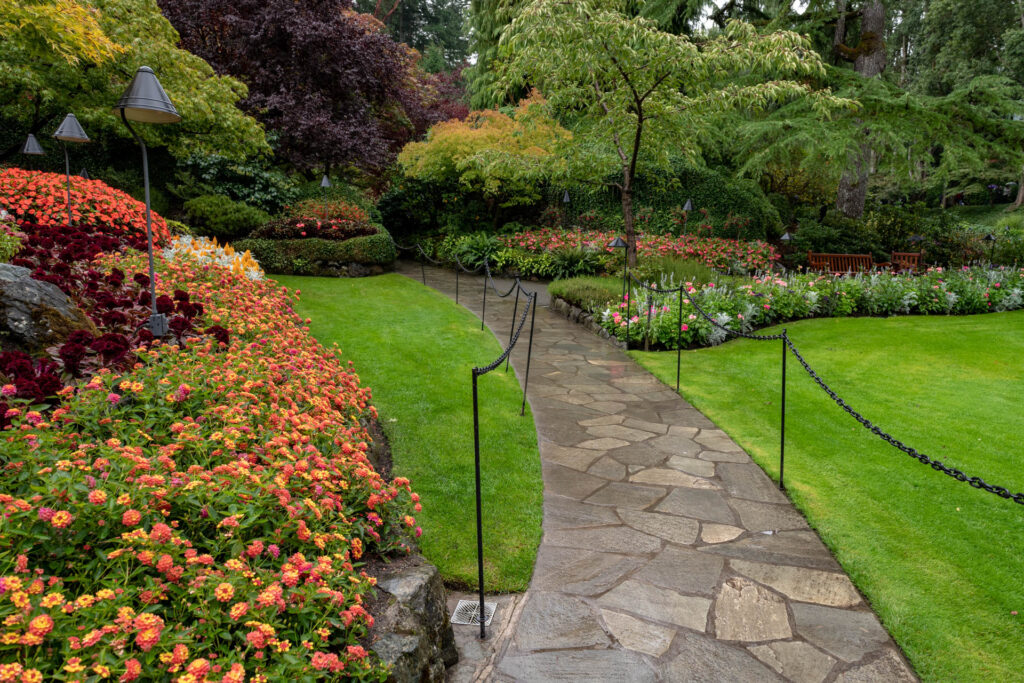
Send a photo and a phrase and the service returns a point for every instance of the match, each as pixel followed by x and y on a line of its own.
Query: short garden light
pixel 83 174
pixel 687 208
pixel 325 183
pixel 145 101
pixel 69 131
pixel 619 243
pixel 786 238
pixel 565 210
pixel 991 239
pixel 32 147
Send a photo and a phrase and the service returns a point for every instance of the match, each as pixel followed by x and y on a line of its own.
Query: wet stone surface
pixel 667 554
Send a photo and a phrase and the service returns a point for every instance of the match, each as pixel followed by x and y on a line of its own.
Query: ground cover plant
pixel 938 560
pixel 197 508
pixel 416 348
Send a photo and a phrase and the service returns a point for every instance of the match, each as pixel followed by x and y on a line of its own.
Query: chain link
pixel 463 268
pixel 738 333
pixel 655 289
pixel 530 300
pixel 490 281
pixel 976 482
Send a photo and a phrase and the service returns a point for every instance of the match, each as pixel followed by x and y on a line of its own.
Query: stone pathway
pixel 667 555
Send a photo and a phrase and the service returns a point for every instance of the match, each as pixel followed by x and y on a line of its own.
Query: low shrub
pixel 575 261
pixel 313 256
pixel 337 210
pixel 39 198
pixel 220 217
pixel 10 238
pixel 298 228
pixel 588 292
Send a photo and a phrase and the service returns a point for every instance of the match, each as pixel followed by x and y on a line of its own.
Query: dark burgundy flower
pixel 180 295
pixel 218 333
pixel 141 279
pixel 164 304
pixel 111 346
pixel 80 337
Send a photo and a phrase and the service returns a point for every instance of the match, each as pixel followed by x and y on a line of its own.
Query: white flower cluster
pixel 205 250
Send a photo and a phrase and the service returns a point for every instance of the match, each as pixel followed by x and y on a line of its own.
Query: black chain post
pixel 483 311
pixel 629 298
pixel 529 353
pixel 479 505
pixel 456 284
pixel 679 338
pixel 782 427
pixel 515 309
pixel 647 332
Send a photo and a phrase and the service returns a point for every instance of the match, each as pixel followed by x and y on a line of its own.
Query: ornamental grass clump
pixel 202 512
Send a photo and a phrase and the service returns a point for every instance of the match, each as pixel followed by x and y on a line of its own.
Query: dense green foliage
pixel 314 256
pixel 415 347
pixel 937 560
pixel 215 215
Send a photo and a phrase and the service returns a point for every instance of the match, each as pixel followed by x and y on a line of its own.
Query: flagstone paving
pixel 667 554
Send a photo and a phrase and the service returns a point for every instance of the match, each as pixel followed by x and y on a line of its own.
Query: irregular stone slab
pixel 562 481
pixel 719 533
pixel 698 504
pixel 669 527
pixel 548 390
pixel 608 406
pixel 625 495
pixel 607 468
pixel 658 604
pixel 622 538
pixel 587 665
pixel 635 634
pixel 717 456
pixel 804 585
pixel 602 362
pixel 564 513
pixel 716 440
pixel 846 634
pixel 684 571
pixel 622 398
pixel 603 420
pixel 796 661
pixel 888 667
pixel 703 660
pixel 800 548
pixel 675 445
pixel 553 621
pixel 661 395
pixel 748 612
pixel 619 432
pixel 639 454
pixel 602 444
pixel 574 399
pixel 653 427
pixel 667 477
pixel 749 481
pixel 687 416
pixel 582 572
pixel 685 432
pixel 768 517
pixel 701 468
pixel 574 458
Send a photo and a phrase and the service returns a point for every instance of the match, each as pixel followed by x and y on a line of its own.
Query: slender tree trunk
pixel 840 35
pixel 869 63
pixel 627 216
pixel 1020 194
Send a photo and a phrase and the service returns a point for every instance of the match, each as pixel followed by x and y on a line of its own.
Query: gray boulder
pixel 34 314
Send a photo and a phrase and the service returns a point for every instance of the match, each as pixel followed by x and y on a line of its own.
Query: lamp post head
pixel 617 243
pixel 83 174
pixel 915 239
pixel 326 182
pixel 146 101
pixel 32 146
pixel 787 237
pixel 688 206
pixel 989 238
pixel 565 197
pixel 70 130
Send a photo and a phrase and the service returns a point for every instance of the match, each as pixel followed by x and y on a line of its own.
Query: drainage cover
pixel 467 612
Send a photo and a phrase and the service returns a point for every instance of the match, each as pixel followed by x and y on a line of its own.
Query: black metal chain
pixel 738 333
pixel 656 290
pixel 976 482
pixel 490 281
pixel 404 248
pixel 424 255
pixel 530 299
pixel 463 268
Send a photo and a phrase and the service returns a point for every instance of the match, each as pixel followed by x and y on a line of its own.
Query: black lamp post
pixel 618 243
pixel 325 183
pixel 32 147
pixel 687 208
pixel 565 210
pixel 991 239
pixel 145 101
pixel 69 131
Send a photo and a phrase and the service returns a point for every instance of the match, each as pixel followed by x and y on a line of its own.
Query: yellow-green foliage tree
pixel 60 56
pixel 505 158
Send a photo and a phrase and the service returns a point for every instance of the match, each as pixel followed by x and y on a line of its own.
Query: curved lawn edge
pixel 415 348
pixel 936 558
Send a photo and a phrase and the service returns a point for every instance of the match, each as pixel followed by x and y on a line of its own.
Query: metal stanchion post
pixel 479 507
pixel 679 338
pixel 650 312
pixel 515 310
pixel 529 352
pixel 782 429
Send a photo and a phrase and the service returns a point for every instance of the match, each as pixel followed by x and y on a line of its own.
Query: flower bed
pixel 40 198
pixel 772 299
pixel 711 251
pixel 199 509
pixel 296 228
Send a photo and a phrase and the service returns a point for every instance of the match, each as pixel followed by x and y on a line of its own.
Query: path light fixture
pixel 83 174
pixel 915 239
pixel 787 238
pixel 687 208
pixel 325 183
pixel 619 243
pixel 70 130
pixel 32 147
pixel 991 239
pixel 146 102
pixel 565 210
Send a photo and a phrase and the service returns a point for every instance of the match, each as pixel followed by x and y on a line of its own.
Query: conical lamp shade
pixel 146 101
pixel 565 197
pixel 32 146
pixel 326 182
pixel 688 206
pixel 71 130
pixel 617 243
pixel 84 174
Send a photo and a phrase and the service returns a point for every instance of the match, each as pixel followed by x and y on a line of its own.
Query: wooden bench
pixel 906 261
pixel 838 264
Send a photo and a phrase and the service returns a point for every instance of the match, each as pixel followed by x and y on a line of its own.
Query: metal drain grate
pixel 467 613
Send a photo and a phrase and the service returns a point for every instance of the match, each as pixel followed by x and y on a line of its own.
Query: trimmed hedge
pixel 314 256
pixel 218 216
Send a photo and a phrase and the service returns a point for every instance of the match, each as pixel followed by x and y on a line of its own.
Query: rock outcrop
pixel 35 314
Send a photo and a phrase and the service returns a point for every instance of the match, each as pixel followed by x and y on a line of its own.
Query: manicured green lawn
pixel 415 347
pixel 941 562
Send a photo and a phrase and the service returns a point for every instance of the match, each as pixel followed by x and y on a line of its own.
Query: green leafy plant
pixel 221 217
